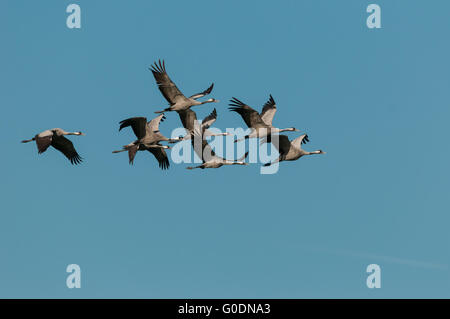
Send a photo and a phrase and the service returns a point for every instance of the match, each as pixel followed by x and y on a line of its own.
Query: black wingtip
pixel 123 124
pixel 164 165
pixel 305 140
pixel 158 67
pixel 77 159
pixel 236 102
pixel 270 101
pixel 208 90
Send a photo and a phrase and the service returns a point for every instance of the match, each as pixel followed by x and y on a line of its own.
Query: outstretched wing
pixel 161 156
pixel 138 124
pixel 202 94
pixel 65 146
pixel 249 115
pixel 281 142
pixel 132 150
pixel 209 120
pixel 43 141
pixel 268 111
pixel 188 118
pixel 153 125
pixel 302 139
pixel 200 145
pixel 168 89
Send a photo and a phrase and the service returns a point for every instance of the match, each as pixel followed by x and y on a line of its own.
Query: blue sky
pixel 377 101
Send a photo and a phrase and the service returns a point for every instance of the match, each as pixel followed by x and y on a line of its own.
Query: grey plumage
pixel 204 150
pixel 148 138
pixel 189 118
pixel 55 138
pixel 289 150
pixel 176 99
pixel 260 124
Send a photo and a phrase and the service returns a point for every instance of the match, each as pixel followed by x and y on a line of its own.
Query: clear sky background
pixel 377 101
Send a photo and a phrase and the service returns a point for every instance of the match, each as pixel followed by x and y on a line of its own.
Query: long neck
pixel 207 101
pixel 227 162
pixel 313 152
pixel 286 129
pixel 216 134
